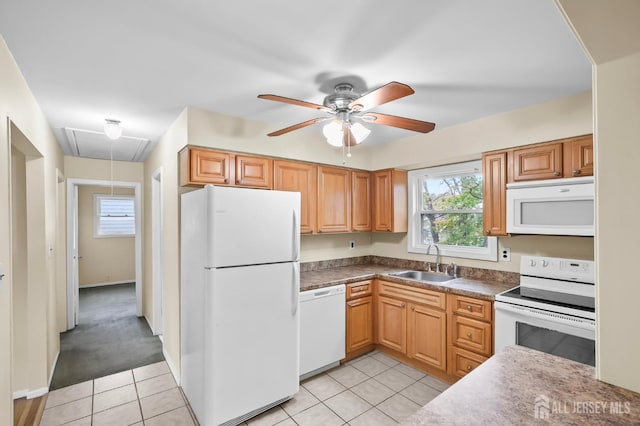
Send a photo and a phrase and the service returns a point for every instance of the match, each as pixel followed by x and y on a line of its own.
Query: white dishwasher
pixel 322 329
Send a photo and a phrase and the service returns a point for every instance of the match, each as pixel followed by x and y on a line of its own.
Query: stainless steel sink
pixel 423 276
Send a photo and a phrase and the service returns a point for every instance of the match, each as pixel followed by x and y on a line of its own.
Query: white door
pixel 251 226
pixel 252 338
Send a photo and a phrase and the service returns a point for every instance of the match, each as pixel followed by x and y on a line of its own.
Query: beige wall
pixel 18 103
pixel 89 168
pixel 104 260
pixel 19 270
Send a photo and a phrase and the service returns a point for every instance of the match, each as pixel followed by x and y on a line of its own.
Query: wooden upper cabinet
pixel 578 156
pixel 254 172
pixel 299 177
pixel 361 200
pixel 334 199
pixel 538 162
pixel 390 201
pixel 494 193
pixel 203 166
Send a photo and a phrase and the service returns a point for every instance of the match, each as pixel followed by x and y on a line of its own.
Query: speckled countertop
pixel 506 389
pixel 483 289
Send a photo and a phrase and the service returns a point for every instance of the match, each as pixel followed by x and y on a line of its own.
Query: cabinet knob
pixel 413 308
pixel 469 308
pixel 388 229
pixel 576 172
pixel 403 305
pixel 469 335
pixel 556 173
pixel 238 181
pixel 488 232
pixel 226 180
pixel 469 368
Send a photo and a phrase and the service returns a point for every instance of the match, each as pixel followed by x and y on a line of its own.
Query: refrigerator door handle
pixel 296 237
pixel 295 289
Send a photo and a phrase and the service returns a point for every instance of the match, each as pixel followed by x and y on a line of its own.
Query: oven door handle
pixel 583 323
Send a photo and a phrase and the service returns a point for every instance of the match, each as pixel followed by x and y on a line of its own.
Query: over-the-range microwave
pixel 551 207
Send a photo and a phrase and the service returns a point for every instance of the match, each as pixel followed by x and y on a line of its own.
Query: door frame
pixel 157 236
pixel 72 222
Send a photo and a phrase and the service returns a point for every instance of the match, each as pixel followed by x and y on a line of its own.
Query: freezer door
pixel 251 226
pixel 252 340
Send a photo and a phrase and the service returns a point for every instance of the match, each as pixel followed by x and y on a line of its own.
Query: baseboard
pixel 133 280
pixel 171 367
pixel 20 394
pixel 53 368
pixel 36 393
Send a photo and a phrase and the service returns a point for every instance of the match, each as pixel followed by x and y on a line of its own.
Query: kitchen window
pixel 445 208
pixel 114 216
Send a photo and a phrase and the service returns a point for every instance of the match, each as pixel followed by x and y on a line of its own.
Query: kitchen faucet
pixel 437 256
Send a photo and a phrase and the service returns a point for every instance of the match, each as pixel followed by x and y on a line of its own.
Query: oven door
pixel 555 207
pixel 554 333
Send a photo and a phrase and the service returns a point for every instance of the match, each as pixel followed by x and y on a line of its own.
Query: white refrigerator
pixel 239 288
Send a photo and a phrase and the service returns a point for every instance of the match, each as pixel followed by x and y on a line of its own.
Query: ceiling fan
pixel 348 109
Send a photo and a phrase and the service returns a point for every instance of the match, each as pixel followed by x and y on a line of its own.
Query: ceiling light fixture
pixel 334 132
pixel 112 129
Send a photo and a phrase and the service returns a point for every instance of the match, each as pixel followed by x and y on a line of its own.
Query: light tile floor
pixel 147 395
pixel 373 389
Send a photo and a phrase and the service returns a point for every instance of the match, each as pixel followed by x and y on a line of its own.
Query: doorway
pixel 74 256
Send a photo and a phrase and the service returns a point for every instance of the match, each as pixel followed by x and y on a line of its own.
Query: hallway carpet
pixel 109 338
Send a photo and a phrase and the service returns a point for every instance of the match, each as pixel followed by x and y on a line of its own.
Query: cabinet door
pixel 390 201
pixel 205 166
pixel 359 323
pixel 538 162
pixel 427 336
pixel 579 152
pixel 361 201
pixel 494 193
pixel 254 172
pixel 392 323
pixel 334 199
pixel 299 177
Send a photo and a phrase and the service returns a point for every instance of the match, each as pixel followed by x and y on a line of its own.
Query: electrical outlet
pixel 352 244
pixel 505 254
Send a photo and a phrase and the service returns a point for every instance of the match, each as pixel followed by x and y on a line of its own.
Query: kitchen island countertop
pixel 348 274
pixel 521 386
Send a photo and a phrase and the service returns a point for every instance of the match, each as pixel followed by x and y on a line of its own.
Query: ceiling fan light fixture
pixel 332 131
pixel 359 132
pixel 112 129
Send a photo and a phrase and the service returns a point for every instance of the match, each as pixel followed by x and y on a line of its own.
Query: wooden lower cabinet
pixel 360 310
pixel 392 323
pixel 445 335
pixel 414 326
pixel 427 336
pixel 470 333
pixel 360 323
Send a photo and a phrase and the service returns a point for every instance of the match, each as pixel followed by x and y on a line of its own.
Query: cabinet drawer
pixel 471 307
pixel 359 289
pixel 471 334
pixel 413 294
pixel 464 362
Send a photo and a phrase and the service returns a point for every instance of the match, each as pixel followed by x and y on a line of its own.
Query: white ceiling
pixel 143 61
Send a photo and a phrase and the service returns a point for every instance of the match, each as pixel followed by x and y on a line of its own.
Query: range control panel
pixel 558 268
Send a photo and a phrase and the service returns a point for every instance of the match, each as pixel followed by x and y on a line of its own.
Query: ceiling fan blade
pixel 294 102
pixel 387 93
pixel 348 139
pixel 401 122
pixel 296 126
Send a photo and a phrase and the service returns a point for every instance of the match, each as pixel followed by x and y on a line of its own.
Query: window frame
pixel 414 234
pixel 97 214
